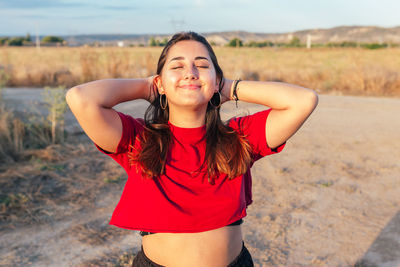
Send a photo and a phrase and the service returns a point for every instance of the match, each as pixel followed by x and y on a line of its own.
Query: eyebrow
pixel 181 58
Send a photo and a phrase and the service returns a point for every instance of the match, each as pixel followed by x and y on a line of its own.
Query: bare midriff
pixel 214 248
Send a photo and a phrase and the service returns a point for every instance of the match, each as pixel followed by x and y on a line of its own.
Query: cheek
pixel 212 76
pixel 209 77
pixel 169 78
pixel 213 80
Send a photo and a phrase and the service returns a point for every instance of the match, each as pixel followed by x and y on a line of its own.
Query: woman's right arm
pixel 92 103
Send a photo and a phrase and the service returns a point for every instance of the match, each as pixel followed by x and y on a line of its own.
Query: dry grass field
pixel 355 71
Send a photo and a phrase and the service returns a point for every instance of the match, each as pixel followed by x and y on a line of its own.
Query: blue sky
pixel 72 17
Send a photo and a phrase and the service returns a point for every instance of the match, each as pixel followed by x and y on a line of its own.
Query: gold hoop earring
pixel 219 101
pixel 164 107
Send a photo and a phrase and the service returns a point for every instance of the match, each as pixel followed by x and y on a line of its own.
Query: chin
pixel 192 104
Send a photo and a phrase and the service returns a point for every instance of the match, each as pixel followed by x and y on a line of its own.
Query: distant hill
pixel 363 34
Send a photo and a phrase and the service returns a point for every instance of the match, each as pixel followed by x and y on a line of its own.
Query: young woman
pixel 189 180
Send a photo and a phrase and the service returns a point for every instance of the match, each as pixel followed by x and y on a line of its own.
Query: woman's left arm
pixel 291 105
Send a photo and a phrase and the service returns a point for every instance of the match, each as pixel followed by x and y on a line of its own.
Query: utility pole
pixel 37 40
pixel 308 41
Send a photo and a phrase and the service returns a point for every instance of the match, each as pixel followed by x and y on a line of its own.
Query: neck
pixel 187 118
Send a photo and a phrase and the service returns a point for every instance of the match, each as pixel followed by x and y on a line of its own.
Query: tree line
pixel 27 40
pixel 234 42
pixel 295 42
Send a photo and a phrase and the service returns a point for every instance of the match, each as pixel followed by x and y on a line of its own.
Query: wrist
pixel 234 89
pixel 150 89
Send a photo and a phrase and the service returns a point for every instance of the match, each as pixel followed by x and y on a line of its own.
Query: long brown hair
pixel 226 150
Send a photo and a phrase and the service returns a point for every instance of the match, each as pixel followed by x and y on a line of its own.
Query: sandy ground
pixel 331 198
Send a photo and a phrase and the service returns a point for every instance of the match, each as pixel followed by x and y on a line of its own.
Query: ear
pixel 217 83
pixel 158 84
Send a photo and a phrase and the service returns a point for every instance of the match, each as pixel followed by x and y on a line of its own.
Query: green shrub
pixel 260 44
pixel 4 40
pixel 235 42
pixel 343 44
pixel 374 46
pixel 295 42
pixel 156 42
pixel 57 106
pixel 28 38
pixel 16 41
pixel 52 39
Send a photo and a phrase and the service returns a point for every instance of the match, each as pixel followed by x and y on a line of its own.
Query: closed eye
pixel 180 67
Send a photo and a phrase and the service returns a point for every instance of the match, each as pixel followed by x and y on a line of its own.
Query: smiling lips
pixel 190 86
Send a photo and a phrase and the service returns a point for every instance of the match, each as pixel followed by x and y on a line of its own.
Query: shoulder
pixel 245 123
pixel 253 128
pixel 131 131
pixel 130 123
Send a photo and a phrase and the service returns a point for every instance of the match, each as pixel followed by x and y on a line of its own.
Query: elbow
pixel 310 100
pixel 69 94
pixel 313 98
pixel 307 101
pixel 74 98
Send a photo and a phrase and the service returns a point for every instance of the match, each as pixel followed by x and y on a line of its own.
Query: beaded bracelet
pixel 235 97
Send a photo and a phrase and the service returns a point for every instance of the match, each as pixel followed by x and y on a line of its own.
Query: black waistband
pixel 238 222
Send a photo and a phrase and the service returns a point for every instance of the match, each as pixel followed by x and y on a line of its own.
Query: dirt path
pixel 83 237
pixel 331 198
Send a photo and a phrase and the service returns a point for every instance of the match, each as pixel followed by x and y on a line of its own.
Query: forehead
pixel 187 49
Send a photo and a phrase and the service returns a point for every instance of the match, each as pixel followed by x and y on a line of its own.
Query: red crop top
pixel 178 201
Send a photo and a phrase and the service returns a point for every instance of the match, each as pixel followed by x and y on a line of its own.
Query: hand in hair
pixel 152 93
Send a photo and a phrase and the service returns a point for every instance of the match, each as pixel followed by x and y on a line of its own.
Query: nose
pixel 191 73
